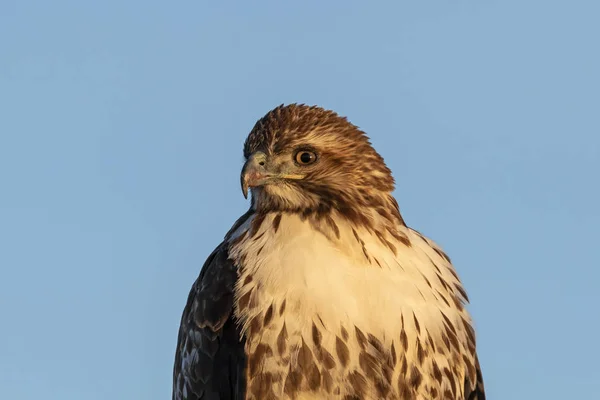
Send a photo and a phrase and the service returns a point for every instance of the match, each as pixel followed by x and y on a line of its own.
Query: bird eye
pixel 305 157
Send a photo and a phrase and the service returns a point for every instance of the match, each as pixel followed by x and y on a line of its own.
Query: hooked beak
pixel 256 173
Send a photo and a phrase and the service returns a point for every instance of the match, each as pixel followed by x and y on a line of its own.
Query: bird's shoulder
pixel 475 390
pixel 210 357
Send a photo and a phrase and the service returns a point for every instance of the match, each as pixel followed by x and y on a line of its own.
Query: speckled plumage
pixel 320 291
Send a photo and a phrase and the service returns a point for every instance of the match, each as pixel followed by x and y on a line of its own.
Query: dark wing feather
pixel 475 390
pixel 210 359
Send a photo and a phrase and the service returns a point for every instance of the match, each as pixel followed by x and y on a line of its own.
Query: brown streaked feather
pixel 475 390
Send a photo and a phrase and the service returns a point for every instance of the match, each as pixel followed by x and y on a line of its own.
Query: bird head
pixel 310 160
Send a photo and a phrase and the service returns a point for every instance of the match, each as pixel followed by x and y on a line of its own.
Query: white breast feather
pixel 334 280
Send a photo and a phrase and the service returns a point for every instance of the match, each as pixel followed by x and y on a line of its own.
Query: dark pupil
pixel 305 158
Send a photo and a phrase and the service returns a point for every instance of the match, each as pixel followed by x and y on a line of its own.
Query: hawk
pixel 320 290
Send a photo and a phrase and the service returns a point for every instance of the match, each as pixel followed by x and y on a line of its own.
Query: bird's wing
pixel 209 360
pixel 475 390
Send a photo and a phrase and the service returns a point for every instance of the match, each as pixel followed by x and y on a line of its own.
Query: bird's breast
pixel 349 315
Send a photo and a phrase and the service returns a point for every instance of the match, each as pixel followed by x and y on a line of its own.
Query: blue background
pixel 121 131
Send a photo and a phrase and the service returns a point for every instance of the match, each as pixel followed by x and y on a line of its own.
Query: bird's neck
pixel 373 213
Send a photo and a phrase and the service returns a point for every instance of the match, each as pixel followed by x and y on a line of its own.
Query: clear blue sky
pixel 121 131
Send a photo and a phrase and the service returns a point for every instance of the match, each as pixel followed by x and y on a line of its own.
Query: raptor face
pixel 310 160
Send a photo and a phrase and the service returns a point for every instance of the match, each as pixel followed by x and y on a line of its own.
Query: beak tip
pixel 253 173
